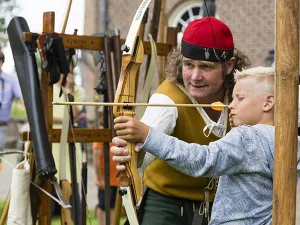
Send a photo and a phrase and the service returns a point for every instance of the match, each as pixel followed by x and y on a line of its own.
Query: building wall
pixel 252 22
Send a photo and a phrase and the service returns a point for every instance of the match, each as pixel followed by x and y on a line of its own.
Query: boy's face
pixel 247 106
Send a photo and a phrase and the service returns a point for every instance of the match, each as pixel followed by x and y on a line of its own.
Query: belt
pixel 3 123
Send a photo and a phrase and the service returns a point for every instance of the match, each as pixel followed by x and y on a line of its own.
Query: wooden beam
pixel 47 96
pixel 80 134
pixel 286 138
pixel 97 43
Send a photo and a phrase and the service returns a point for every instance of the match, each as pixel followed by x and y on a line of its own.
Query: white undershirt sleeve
pixel 162 119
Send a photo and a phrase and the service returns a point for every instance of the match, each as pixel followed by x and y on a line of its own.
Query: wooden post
pixel 4 214
pixel 118 208
pixel 117 54
pixel 47 96
pixel 107 123
pixel 161 38
pixel 172 36
pixel 286 142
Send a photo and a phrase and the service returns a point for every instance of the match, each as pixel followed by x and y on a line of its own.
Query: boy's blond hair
pixel 264 77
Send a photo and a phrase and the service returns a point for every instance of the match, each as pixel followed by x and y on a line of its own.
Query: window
pixel 187 12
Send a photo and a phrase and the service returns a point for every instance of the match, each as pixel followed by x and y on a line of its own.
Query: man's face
pixel 202 79
pixel 247 104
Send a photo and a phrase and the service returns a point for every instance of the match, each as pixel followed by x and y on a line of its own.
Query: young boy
pixel 243 159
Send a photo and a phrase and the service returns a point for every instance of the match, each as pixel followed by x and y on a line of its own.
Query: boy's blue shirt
pixel 244 161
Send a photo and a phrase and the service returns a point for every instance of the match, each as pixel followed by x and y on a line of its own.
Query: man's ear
pixel 230 65
pixel 269 102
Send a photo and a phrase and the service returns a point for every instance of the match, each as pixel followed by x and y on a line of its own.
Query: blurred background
pixel 251 21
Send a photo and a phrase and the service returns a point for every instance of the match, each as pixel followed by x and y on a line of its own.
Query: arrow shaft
pixel 137 104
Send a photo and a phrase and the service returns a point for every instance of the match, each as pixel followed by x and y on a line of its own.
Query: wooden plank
pixel 81 135
pixel 47 98
pixel 97 43
pixel 286 114
pixel 162 38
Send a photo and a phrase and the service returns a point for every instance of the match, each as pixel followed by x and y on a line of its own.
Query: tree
pixel 7 11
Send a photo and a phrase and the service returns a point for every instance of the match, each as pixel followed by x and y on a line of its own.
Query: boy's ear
pixel 269 102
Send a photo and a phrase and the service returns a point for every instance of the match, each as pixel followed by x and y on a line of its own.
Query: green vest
pixel 163 178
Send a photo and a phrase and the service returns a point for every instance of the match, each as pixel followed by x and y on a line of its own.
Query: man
pixel 243 159
pixel 9 90
pixel 200 71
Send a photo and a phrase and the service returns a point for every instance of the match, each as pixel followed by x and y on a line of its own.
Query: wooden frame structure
pixel 286 103
pixel 80 134
pixel 287 71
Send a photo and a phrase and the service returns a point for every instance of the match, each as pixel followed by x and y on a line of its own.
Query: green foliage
pixel 7 11
pixel 56 219
pixel 18 110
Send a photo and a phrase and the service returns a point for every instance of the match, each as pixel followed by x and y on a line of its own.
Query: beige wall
pixel 252 22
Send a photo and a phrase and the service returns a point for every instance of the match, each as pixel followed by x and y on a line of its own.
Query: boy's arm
pixel 162 119
pixel 223 157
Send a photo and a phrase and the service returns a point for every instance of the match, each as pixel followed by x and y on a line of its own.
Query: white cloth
pixel 217 128
pixel 19 212
pixel 162 118
pixel 58 112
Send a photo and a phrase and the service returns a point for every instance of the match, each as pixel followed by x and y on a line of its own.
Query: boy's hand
pixel 131 129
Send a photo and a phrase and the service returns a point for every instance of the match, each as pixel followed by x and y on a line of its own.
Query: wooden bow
pixel 132 58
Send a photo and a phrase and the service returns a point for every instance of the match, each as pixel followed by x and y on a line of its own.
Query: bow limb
pixel 65 184
pixel 132 58
pixel 66 17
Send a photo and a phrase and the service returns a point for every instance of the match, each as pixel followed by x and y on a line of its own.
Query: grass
pixel 18 110
pixel 56 219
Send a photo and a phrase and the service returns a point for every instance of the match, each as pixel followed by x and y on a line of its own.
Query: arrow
pixel 218 106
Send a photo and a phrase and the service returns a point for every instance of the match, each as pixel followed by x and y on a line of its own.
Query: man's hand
pixel 131 129
pixel 120 152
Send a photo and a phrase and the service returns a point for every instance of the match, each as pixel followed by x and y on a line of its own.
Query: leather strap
pixel 3 123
